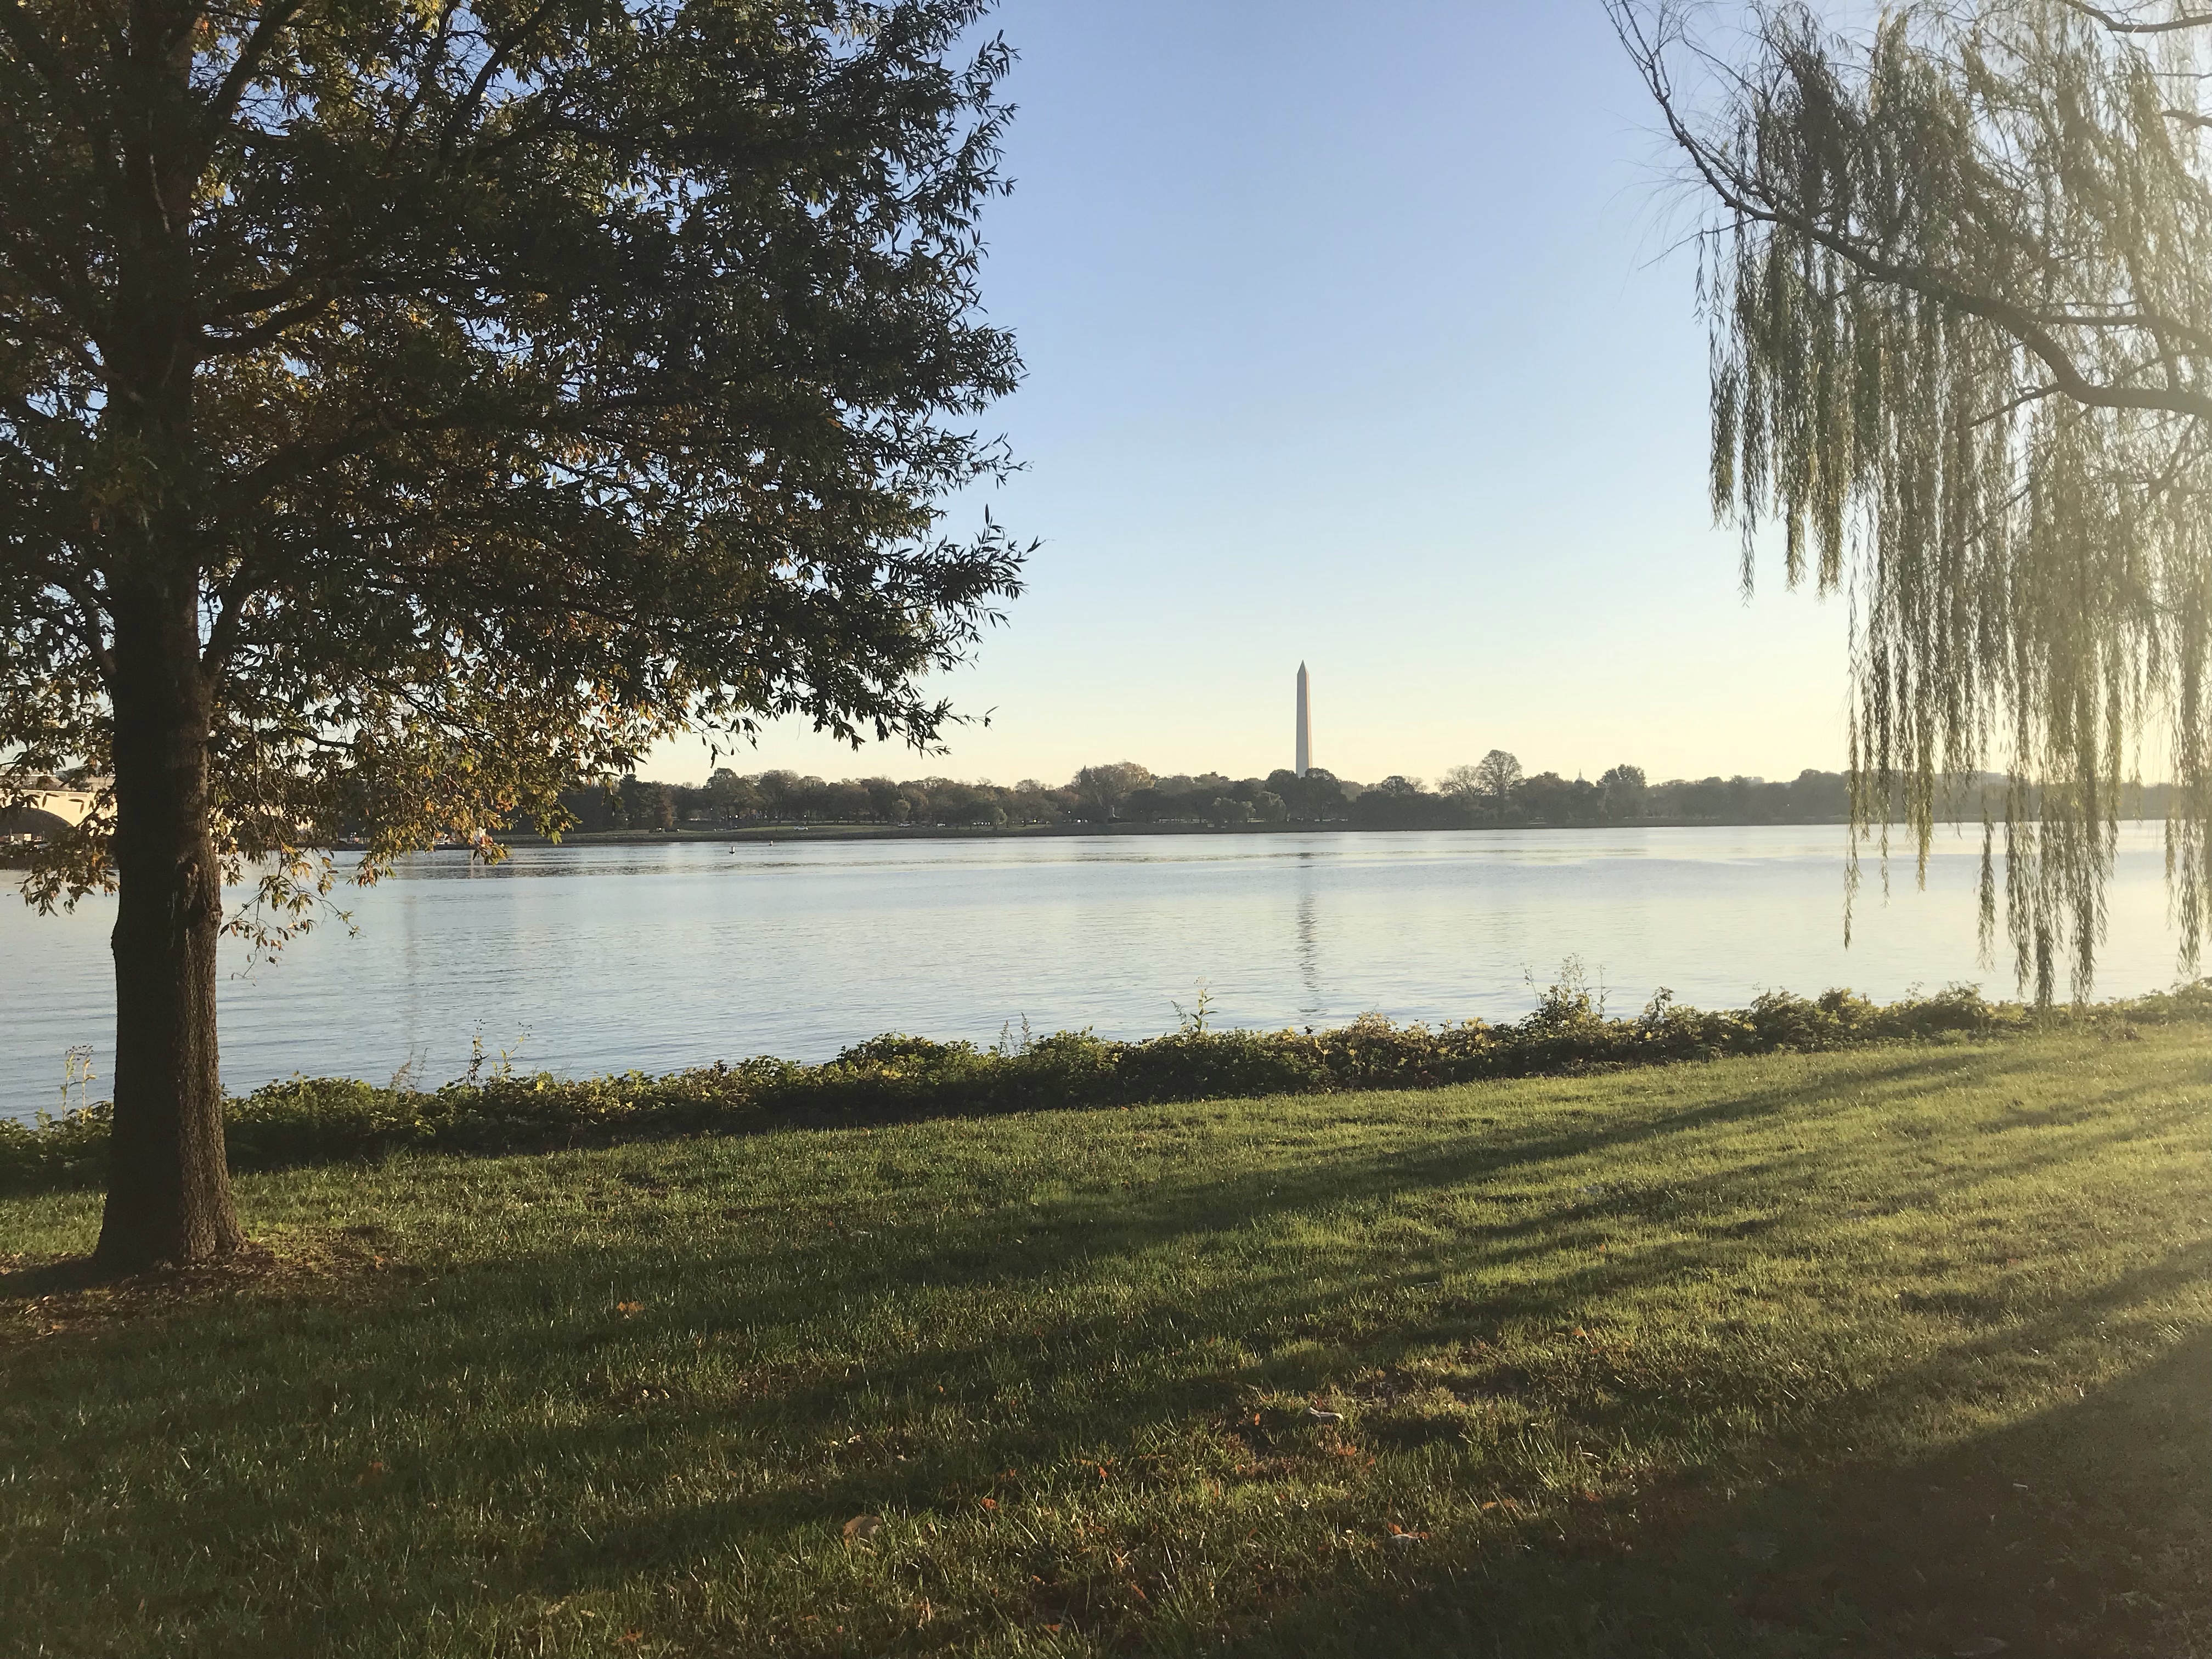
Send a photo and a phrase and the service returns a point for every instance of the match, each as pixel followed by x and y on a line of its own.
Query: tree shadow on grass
pixel 2083 1532
pixel 1294 1297
pixel 1813 1562
pixel 23 1280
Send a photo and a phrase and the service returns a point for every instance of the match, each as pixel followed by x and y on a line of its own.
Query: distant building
pixel 1305 722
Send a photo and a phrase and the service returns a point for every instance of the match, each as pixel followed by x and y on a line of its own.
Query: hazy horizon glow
pixel 1375 359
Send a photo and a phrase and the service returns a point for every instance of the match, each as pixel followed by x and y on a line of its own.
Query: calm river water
pixel 584 959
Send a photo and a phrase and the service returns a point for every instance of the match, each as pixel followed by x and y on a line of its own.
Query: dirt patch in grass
pixel 43 1296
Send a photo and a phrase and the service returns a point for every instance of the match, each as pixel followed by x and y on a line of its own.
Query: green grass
pixel 1889 1352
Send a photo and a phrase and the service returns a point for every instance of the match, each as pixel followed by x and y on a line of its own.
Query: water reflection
pixel 1313 1008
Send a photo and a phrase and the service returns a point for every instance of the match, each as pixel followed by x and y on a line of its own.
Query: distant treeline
pixel 1494 792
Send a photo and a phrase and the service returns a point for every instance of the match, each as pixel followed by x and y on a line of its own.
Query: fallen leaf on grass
pixel 861 1528
pixel 1316 1414
pixel 626 1308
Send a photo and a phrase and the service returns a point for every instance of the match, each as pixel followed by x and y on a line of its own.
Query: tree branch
pixel 2120 25
pixel 89 612
pixel 473 99
pixel 2032 395
pixel 271 23
pixel 222 637
pixel 1745 196
pixel 233 344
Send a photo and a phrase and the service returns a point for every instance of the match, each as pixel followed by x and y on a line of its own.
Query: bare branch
pixel 2120 25
pixel 1743 196
pixel 271 23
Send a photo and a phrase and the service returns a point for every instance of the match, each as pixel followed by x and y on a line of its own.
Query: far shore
pixel 18 856
pixel 779 832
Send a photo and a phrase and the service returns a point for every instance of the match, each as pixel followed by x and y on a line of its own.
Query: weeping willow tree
pixel 1958 273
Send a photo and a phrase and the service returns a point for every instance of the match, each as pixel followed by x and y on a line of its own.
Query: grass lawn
pixel 1898 1352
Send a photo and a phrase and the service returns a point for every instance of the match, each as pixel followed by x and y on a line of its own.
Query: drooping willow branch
pixel 1958 275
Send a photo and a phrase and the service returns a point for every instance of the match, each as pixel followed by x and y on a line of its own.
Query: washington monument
pixel 1305 723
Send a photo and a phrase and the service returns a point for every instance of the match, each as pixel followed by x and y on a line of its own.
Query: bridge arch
pixel 45 806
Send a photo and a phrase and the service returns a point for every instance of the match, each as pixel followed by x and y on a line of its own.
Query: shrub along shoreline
pixel 305 1121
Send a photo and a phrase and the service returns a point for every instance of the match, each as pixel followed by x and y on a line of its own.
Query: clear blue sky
pixel 1353 338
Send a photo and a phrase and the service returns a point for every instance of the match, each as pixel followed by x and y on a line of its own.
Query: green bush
pixel 320 1119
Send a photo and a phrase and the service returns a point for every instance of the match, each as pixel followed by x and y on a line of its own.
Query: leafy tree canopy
pixel 1623 777
pixel 408 406
pixel 503 385
pixel 1105 787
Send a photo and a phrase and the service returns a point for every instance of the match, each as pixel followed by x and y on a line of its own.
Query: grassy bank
pixel 893 1077
pixel 1900 1350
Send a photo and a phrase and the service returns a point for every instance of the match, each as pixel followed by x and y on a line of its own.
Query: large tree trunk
pixel 168 1191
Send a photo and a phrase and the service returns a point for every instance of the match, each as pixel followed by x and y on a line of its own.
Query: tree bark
pixel 168 1191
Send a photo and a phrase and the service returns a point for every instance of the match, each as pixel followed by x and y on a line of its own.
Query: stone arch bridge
pixel 43 806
